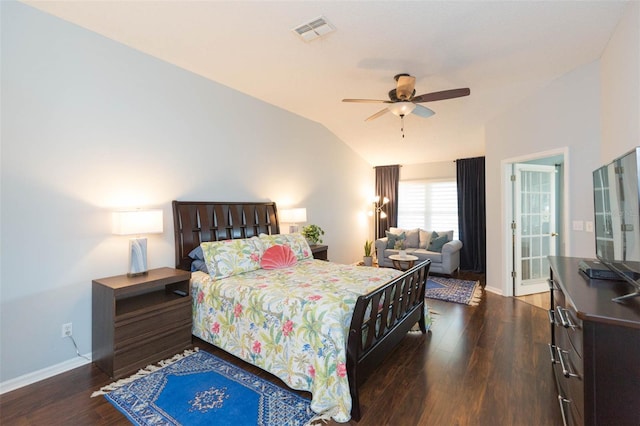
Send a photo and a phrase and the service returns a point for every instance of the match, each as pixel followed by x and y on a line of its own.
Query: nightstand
pixel 140 320
pixel 319 251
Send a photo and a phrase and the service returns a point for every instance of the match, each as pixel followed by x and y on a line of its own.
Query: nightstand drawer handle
pixel 564 364
pixel 552 316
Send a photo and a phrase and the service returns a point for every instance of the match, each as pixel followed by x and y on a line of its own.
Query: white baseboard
pixel 45 373
pixel 494 290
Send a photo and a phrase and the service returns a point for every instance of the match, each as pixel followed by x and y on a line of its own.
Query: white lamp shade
pixel 293 215
pixel 402 108
pixel 137 222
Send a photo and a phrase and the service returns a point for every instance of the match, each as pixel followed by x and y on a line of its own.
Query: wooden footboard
pixel 380 320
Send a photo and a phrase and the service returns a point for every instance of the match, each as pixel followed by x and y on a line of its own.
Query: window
pixel 431 205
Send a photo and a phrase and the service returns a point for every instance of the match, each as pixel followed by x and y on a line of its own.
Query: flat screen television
pixel 616 199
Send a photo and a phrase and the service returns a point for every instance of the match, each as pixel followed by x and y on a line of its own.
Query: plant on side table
pixel 367 259
pixel 313 234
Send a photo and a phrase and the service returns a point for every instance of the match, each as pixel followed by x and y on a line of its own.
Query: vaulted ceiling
pixel 502 50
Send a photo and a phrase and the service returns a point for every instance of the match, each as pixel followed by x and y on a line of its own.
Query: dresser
pixel 595 347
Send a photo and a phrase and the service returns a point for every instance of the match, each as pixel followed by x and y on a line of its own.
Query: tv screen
pixel 617 218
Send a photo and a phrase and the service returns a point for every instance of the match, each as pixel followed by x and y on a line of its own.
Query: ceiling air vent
pixel 314 29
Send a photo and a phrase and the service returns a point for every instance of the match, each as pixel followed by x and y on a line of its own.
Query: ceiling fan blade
pixel 439 96
pixel 405 86
pixel 422 111
pixel 378 114
pixel 367 101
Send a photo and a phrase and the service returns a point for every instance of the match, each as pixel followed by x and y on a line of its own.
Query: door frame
pixel 508 210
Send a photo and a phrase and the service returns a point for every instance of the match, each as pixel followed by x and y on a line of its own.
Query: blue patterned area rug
pixel 197 388
pixel 454 290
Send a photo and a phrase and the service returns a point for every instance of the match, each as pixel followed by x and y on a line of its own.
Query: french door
pixel 534 226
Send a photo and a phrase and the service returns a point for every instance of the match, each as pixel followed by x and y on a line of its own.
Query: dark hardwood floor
pixel 482 365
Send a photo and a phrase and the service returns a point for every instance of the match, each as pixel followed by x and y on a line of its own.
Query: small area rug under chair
pixel 454 290
pixel 198 388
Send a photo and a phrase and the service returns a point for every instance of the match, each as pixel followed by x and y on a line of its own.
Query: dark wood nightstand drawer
pixel 150 350
pixel 151 322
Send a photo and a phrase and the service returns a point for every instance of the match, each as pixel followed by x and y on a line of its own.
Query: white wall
pixel 620 75
pixel 566 113
pixel 90 126
pixel 424 171
pixel 593 110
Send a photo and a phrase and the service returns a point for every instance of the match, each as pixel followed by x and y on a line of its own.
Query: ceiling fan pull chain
pixel 402 125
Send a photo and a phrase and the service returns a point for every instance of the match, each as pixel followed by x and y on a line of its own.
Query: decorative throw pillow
pixel 425 238
pixel 437 242
pixel 296 242
pixel 412 238
pixel 276 257
pixel 395 241
pixel 232 257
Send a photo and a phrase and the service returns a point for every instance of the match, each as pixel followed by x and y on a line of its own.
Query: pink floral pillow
pixel 277 257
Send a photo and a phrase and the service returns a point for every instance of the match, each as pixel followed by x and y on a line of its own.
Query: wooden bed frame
pixel 380 319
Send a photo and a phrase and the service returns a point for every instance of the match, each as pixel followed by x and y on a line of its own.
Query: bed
pixel 319 326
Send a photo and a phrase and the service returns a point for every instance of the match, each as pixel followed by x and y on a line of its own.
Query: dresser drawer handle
pixel 552 349
pixel 552 316
pixel 552 284
pixel 566 370
pixel 564 318
pixel 562 401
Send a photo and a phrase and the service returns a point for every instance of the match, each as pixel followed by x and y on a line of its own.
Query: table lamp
pixel 137 222
pixel 293 217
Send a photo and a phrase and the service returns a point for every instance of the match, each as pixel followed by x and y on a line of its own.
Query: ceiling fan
pixel 402 99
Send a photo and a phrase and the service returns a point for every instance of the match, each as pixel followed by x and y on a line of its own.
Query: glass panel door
pixel 534 233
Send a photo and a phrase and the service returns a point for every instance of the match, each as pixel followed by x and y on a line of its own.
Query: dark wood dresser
pixel 595 347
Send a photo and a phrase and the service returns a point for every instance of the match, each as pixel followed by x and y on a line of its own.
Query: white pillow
pixel 425 238
pixel 396 231
pixel 412 239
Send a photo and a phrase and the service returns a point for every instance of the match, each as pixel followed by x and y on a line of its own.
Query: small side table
pixel 140 320
pixel 319 251
pixel 403 262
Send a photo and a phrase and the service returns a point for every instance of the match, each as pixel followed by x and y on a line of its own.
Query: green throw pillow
pixel 437 242
pixel 395 241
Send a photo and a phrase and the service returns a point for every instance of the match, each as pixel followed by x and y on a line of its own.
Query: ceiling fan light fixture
pixel 401 108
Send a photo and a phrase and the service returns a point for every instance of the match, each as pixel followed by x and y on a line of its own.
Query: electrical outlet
pixel 67 329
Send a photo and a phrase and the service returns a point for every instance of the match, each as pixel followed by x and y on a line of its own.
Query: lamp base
pixel 137 257
pixel 293 229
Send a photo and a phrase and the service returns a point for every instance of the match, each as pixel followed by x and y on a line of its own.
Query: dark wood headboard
pixel 201 221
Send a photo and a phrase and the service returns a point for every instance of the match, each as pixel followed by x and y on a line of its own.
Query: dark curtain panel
pixel 471 213
pixel 387 180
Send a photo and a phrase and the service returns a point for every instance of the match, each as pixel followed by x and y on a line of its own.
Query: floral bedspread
pixel 292 322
